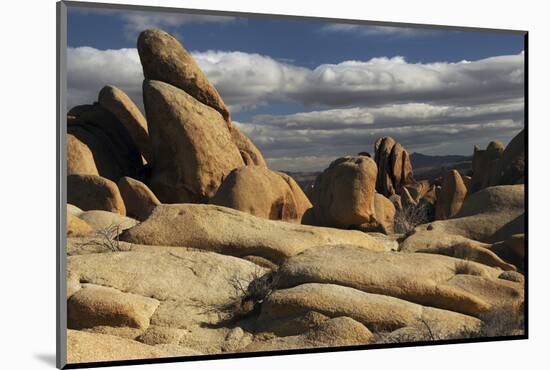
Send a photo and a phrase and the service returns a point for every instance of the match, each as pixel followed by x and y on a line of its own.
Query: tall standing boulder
pixel 382 157
pixel 193 149
pixel 99 144
pixel 394 166
pixel 401 167
pixel 263 193
pixel 165 59
pixel 451 196
pixel 512 162
pixel 485 165
pixel 126 111
pixel 89 192
pixel 343 195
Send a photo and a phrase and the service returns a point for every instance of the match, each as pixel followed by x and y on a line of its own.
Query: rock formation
pixel 394 166
pixel 80 159
pixel 336 332
pixel 164 59
pixel 84 347
pixel 192 147
pixel 511 169
pixel 101 221
pixel 98 144
pixel 139 200
pixel 343 195
pixel 498 165
pixel 231 276
pixel 187 289
pixel 125 110
pixel 77 227
pixel 250 154
pixel 384 213
pixel 451 196
pixel 95 305
pixel 490 215
pixel 187 140
pixel 263 193
pixel 90 192
pixel 376 311
pixel 232 232
pixel 512 249
pixel 442 282
pixel 485 165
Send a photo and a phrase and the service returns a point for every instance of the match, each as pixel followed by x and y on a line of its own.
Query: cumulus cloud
pixel 394 79
pixel 89 69
pixel 429 107
pixel 369 30
pixel 393 115
pixel 246 78
pixel 250 79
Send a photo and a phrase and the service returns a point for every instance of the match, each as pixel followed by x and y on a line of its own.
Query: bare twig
pixel 428 329
pixel 407 218
pixel 107 238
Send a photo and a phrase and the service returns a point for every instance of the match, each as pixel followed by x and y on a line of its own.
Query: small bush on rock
pixel 106 239
pixel 249 293
pixel 249 297
pixel 407 218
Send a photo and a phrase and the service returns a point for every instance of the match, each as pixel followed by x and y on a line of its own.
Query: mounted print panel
pixel 248 184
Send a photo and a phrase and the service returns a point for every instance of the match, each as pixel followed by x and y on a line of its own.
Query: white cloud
pixel 431 107
pixel 394 79
pixel 370 30
pixel 89 69
pixel 392 115
pixel 245 79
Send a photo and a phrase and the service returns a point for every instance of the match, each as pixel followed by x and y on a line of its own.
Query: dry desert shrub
pixel 106 239
pixel 462 268
pixel 249 293
pixel 407 218
pixel 249 296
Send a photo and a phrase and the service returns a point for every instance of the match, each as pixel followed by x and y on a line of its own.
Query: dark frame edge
pixel 526 179
pixel 61 197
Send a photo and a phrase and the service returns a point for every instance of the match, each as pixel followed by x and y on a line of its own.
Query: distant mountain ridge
pixel 419 160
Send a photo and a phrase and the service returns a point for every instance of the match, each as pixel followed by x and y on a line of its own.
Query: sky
pixel 308 91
